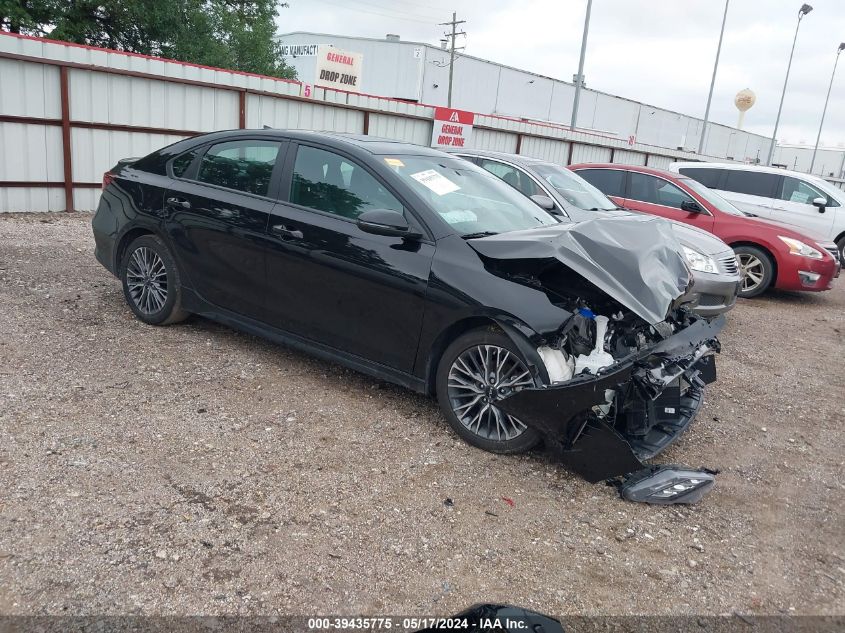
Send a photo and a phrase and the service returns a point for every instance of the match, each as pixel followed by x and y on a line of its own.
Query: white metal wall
pixel 545 148
pixel 300 115
pixel 590 154
pixel 493 140
pixel 660 162
pixel 30 152
pixel 829 162
pixel 402 129
pixel 624 157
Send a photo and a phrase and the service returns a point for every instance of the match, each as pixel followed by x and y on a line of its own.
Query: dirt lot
pixel 193 469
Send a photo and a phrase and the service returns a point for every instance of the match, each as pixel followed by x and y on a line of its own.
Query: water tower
pixel 743 101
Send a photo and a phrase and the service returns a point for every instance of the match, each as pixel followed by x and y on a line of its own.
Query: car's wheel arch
pixel 839 242
pixel 521 334
pixel 126 239
pixel 768 251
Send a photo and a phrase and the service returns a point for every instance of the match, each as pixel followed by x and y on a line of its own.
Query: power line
pixel 400 9
pixel 345 5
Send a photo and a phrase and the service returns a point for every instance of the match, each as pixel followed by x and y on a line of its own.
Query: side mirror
pixel 385 222
pixel 691 207
pixel 544 202
pixel 821 203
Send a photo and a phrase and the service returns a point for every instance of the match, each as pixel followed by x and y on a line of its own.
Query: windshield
pixel 468 198
pixel 712 197
pixel 573 188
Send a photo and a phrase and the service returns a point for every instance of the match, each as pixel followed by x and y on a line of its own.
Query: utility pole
pixel 454 23
pixel 580 78
pixel 713 81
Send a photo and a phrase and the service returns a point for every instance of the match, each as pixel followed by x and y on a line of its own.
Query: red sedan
pixel 770 254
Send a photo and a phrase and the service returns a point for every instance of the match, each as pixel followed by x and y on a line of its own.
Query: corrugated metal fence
pixel 68 113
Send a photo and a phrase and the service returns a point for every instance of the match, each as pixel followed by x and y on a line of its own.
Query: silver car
pixel 561 191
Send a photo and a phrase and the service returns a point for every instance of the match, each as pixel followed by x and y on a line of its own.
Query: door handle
pixel 179 202
pixel 284 231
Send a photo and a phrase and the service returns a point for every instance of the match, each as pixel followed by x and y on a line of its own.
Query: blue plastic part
pixel 586 312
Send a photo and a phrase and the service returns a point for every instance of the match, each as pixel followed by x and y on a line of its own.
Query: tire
pixel 151 282
pixel 756 269
pixel 458 384
pixel 841 244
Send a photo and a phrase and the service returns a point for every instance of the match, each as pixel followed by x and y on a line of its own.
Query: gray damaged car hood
pixel 635 259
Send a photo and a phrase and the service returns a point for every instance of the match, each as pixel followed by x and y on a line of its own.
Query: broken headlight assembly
pixel 664 485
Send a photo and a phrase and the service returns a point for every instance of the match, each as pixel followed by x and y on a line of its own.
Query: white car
pixel 787 196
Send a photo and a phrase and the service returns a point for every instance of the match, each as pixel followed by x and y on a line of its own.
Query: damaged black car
pixel 422 269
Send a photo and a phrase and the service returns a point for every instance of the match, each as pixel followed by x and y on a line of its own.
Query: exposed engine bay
pixel 623 375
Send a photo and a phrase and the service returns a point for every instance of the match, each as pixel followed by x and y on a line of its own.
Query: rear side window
pixel 328 182
pixel 752 183
pixel 707 176
pixel 794 190
pixel 181 163
pixel 241 165
pixel 645 188
pixel 611 182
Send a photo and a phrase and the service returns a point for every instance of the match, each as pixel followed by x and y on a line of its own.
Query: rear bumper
pixel 104 228
pixel 599 447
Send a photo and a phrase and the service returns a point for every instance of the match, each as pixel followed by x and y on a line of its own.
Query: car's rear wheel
pixel 755 269
pixel 841 244
pixel 151 281
pixel 476 371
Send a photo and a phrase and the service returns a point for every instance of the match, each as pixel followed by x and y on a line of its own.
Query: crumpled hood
pixel 636 259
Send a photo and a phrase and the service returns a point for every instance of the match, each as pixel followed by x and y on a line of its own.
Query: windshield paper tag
pixel 394 162
pixel 435 181
pixel 457 217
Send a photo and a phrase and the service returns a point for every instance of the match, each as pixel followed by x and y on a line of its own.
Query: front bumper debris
pixel 601 449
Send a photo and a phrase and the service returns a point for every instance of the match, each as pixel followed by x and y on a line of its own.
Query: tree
pixel 234 34
pixel 25 16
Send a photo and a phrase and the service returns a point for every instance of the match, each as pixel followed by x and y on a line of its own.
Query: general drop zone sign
pixel 452 128
pixel 339 69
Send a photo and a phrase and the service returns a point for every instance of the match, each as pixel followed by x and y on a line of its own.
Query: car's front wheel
pixel 756 270
pixel 477 370
pixel 151 281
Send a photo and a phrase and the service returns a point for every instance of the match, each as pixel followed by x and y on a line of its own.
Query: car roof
pixel 745 167
pixel 359 142
pixel 514 158
pixel 654 171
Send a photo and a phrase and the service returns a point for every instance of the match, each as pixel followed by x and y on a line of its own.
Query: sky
pixel 660 52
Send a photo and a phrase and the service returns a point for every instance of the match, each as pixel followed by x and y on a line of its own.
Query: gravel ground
pixel 195 470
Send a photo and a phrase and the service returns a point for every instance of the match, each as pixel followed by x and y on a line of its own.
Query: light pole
pixel 713 81
pixel 804 10
pixel 580 78
pixel 824 110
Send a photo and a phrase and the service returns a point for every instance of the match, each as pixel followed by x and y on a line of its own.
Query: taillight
pixel 108 177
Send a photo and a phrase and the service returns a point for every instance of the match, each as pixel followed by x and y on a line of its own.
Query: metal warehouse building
pixel 419 72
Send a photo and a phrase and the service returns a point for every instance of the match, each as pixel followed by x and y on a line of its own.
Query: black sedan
pixel 420 268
